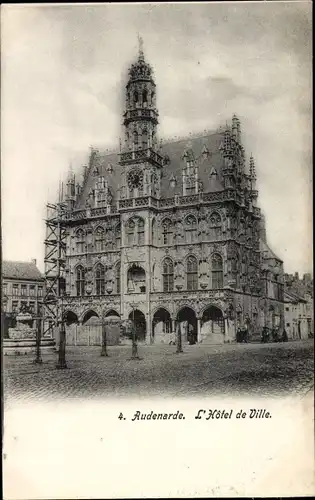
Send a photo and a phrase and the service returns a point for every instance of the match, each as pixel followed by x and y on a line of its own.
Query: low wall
pixel 18 347
pixel 81 335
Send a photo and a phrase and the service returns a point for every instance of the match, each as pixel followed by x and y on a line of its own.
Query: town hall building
pixel 170 235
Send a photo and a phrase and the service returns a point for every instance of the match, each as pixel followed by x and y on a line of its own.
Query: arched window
pixel 109 237
pixel 153 232
pixel 135 97
pixel 118 236
pixel 80 281
pixel 192 273
pixel 99 239
pixel 140 232
pixel 217 271
pixel 89 240
pixel 131 232
pixel 145 96
pixel 135 138
pixel 215 229
pixel 100 279
pixel 168 275
pixel 190 229
pixel 167 232
pixel 144 139
pixel 80 243
pixel 117 277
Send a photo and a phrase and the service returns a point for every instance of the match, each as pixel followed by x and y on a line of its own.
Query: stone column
pixel 173 325
pixel 199 339
pixel 226 330
pixel 148 336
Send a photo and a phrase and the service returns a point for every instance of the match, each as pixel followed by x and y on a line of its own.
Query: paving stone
pixel 236 369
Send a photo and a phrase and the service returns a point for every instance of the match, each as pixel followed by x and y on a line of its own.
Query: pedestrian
pixel 265 335
pixel 274 335
pixel 238 335
pixel 284 336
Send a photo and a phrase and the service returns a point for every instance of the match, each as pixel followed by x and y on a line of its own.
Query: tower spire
pixel 140 42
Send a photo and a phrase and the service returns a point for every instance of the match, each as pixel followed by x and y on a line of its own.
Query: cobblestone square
pixel 227 370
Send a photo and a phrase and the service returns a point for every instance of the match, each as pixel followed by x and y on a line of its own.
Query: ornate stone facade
pixel 166 234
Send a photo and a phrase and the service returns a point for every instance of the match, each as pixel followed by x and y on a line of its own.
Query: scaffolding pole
pixel 55 265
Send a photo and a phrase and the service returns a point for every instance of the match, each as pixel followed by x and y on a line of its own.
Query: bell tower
pixel 139 154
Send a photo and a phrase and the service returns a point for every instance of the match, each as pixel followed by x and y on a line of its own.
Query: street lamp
pixel 134 352
pixel 104 339
pixel 61 365
pixel 179 340
pixel 38 358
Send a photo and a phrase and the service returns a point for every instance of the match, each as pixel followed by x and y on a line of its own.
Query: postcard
pixel 157 280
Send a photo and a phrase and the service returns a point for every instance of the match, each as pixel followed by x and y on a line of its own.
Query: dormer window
pixel 205 152
pixel 173 181
pixel 95 171
pixel 213 173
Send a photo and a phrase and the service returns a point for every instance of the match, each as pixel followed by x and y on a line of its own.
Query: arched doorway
pixel 187 321
pixel 112 313
pixel 212 326
pixel 70 318
pixel 136 279
pixel 162 326
pixel 71 327
pixel 138 319
pixel 88 315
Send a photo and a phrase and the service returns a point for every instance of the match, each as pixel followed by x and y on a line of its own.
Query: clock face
pixel 135 179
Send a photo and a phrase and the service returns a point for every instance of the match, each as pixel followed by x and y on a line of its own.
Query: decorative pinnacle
pixel 252 169
pixel 141 54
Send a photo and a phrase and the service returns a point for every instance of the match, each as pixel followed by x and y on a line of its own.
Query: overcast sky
pixel 63 69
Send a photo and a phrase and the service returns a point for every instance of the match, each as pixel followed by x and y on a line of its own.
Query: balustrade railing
pixel 144 201
pixel 141 154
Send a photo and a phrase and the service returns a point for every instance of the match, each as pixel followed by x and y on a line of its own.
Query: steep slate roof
pixel 290 296
pixel 20 270
pixel 175 151
pixel 267 252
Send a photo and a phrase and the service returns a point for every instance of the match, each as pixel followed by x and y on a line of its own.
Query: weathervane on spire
pixel 140 41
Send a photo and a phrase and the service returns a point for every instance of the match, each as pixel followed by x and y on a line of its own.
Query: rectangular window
pixel 16 290
pixel 15 305
pixel 32 290
pixel 23 304
pixel 130 237
pixel 24 290
pixel 168 283
pixel 190 190
pixel 4 288
pixel 217 279
pixel 287 309
pixel 191 235
pixel 40 291
pixel 192 281
pixel 32 307
pixel 215 233
pixel 141 236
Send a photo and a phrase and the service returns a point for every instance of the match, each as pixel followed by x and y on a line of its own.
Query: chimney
pixel 34 261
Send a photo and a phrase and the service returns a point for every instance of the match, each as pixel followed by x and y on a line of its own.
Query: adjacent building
pixel 299 310
pixel 170 234
pixel 22 289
